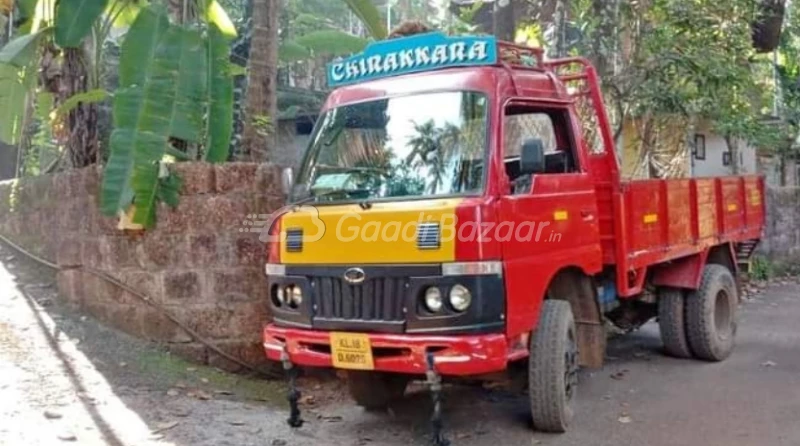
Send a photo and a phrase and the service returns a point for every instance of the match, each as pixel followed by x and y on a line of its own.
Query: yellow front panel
pixel 384 233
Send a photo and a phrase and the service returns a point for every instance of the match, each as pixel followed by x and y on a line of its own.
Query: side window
pixel 549 125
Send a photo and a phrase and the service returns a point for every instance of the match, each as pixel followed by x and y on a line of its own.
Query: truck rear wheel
pixel 553 368
pixel 375 390
pixel 711 314
pixel 672 322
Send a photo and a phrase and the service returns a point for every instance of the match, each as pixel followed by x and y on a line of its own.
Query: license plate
pixel 351 351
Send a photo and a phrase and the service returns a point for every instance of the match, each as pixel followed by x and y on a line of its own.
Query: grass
pixel 172 369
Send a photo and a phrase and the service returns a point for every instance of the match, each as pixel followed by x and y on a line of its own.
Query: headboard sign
pixel 422 52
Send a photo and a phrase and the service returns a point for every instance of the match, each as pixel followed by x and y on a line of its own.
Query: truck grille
pixel 377 299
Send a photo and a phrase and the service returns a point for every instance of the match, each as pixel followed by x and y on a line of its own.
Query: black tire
pixel 375 390
pixel 672 322
pixel 711 314
pixel 553 368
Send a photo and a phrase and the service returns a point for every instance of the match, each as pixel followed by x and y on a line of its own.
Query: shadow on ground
pixel 103 387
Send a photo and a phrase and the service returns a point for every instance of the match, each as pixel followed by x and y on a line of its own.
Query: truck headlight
pixel 433 299
pixel 460 298
pixel 295 296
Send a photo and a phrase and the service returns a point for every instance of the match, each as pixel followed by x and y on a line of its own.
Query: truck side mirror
pixel 287 181
pixel 531 159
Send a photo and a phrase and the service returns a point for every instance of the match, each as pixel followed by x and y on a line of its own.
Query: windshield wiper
pixel 313 197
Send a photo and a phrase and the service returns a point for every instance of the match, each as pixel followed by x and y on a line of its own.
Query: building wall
pixel 671 150
pixel 713 164
pixel 770 167
pixel 781 242
pixel 672 143
pixel 199 262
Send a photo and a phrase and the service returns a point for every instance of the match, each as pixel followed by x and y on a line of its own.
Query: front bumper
pixel 453 355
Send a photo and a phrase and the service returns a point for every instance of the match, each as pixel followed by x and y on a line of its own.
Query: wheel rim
pixel 570 367
pixel 723 315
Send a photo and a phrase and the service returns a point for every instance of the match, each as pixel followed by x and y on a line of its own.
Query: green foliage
pixel 291 51
pixel 47 153
pixel 21 51
pixel 175 83
pixel 220 98
pixel 88 97
pixel 366 11
pixel 688 59
pixel 159 98
pixel 122 13
pixel 761 268
pixel 14 86
pixel 169 188
pixel 74 20
pixel 331 42
pixel 215 15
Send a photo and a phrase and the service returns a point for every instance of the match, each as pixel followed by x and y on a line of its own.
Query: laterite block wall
pixel 782 241
pixel 196 262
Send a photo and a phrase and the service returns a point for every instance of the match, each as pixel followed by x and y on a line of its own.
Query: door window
pixel 551 126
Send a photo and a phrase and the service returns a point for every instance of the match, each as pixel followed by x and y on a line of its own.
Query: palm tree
pixel 261 106
pixel 432 148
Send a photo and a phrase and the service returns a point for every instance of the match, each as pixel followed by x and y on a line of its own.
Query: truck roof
pixel 405 66
pixel 505 82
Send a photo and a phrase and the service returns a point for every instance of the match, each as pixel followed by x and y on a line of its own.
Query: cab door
pixel 559 205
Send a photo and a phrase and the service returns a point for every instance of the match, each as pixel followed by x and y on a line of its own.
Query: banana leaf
pixel 74 20
pixel 216 16
pixel 124 11
pixel 87 97
pixel 12 103
pixel 368 13
pixel 162 95
pixel 20 51
pixel 220 98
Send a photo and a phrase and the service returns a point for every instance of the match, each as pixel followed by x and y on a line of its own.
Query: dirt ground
pixel 66 379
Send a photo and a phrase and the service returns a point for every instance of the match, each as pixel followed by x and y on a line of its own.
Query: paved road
pixel 100 387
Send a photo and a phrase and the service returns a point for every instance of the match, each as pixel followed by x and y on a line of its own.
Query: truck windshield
pixel 404 147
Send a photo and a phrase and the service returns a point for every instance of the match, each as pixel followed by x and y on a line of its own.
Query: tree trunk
pixel 8 161
pixel 782 167
pixel 603 41
pixel 504 21
pixel 82 141
pixel 733 149
pixel 496 18
pixel 261 110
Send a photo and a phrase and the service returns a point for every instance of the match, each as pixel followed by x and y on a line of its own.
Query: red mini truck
pixel 460 209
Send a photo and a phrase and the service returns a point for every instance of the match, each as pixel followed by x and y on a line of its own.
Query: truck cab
pixel 455 215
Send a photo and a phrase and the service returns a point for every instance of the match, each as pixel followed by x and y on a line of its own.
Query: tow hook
pixel 434 381
pixel 294 394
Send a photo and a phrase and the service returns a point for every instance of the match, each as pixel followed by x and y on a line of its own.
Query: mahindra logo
pixel 354 275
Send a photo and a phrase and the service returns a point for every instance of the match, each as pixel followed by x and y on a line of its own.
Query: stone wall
pixel 195 262
pixel 782 234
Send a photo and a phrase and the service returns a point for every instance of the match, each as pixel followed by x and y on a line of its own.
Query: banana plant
pixel 369 15
pixel 175 83
pixel 334 42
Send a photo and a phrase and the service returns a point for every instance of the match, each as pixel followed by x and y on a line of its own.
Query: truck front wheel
pixel 553 368
pixel 711 314
pixel 375 390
